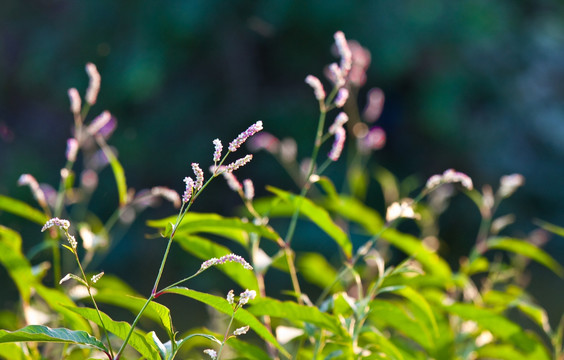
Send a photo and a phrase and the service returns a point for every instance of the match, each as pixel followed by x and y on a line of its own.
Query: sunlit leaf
pixel 526 249
pixel 502 328
pixel 119 174
pixel 42 333
pixel 317 215
pixel 14 261
pixel 205 249
pixel 555 229
pixel 241 315
pixel 120 329
pixel 296 312
pixel 22 209
pixel 317 270
pixel 57 300
pixel 230 228
pixel 13 351
pixel 413 247
pixel 418 300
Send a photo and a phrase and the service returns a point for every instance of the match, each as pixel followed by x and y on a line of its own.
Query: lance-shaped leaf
pixel 241 315
pixel 318 216
pixel 120 329
pixel 230 228
pixel 42 333
pixel 22 209
pixel 526 249
pixel 292 311
pixel 117 169
pixel 14 261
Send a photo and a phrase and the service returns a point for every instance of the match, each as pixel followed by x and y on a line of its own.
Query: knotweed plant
pixel 350 302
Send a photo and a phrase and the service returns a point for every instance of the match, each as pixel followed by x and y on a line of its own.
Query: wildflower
pixel 375 139
pixel 253 129
pixel 340 120
pixel 361 59
pixel 189 189
pixel 241 331
pixel 61 223
pixel 38 194
pixel 449 176
pixel 344 51
pixel 211 353
pixel 335 74
pixel 249 189
pixel 374 105
pixel 246 296
pixel 94 85
pixel 342 97
pixel 75 101
pixel 72 149
pixel 288 150
pixel 68 277
pixel 237 164
pixel 231 297
pixel 264 141
pixel 224 259
pixel 99 122
pixel 317 87
pixel 166 193
pixel 72 241
pixel 337 148
pixel 199 176
pixel 232 181
pixel 97 277
pixel 218 149
pixel 509 184
pixel 403 209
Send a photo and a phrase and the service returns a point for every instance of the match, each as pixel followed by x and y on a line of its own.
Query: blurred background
pixel 471 85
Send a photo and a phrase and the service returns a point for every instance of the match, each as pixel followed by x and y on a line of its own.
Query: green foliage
pixel 387 293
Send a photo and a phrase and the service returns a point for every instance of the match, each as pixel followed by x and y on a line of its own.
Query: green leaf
pixel 22 209
pixel 291 311
pixel 230 228
pixel 502 328
pixel 120 329
pixel 13 351
pixel 241 315
pixel 354 210
pixel 501 352
pixel 154 311
pixel 57 300
pixel 14 261
pixel 410 245
pixel 317 215
pixel 558 230
pixel 45 334
pixel 247 351
pixel 205 249
pixel 317 270
pixel 386 313
pixel 526 249
pixel 418 300
pixel 535 313
pixel 119 174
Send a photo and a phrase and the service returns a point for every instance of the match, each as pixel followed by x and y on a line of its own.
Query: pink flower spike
pixel 38 194
pixel 338 144
pixel 340 120
pixel 99 122
pixel 237 164
pixel 189 189
pixel 75 101
pixel 218 149
pixel 249 189
pixel 61 223
pixel 199 176
pixel 342 97
pixel 336 75
pixel 94 85
pixel 344 52
pixel 232 181
pixel 374 106
pixel 72 149
pixel 253 129
pixel 317 87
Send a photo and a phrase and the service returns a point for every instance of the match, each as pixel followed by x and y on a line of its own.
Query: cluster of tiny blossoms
pixel 449 176
pixel 225 259
pixel 63 225
pixel 191 185
pixel 253 129
pixel 337 74
pixel 244 297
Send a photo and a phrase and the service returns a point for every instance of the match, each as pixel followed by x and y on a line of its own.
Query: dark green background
pixel 473 85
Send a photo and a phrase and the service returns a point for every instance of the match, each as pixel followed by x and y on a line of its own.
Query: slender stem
pixel 225 336
pixel 126 340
